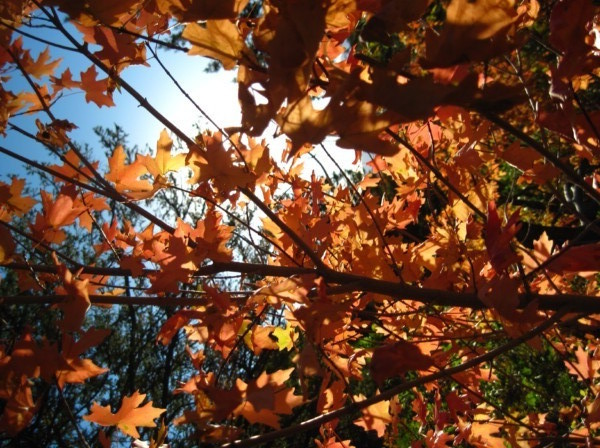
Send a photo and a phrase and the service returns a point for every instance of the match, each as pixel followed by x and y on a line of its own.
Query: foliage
pixel 444 297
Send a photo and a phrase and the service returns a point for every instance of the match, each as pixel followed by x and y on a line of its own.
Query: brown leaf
pixel 475 30
pixel 195 11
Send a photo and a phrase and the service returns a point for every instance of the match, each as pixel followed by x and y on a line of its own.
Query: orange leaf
pixel 266 397
pixel 80 369
pixel 78 302
pixel 72 168
pixel 42 66
pixel 11 200
pixel 126 177
pixel 128 417
pixel 583 258
pixel 96 90
pixel 219 39
pixel 7 245
pixel 375 417
pixel 163 162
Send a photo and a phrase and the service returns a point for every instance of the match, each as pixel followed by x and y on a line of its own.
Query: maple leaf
pixel 163 162
pixel 584 258
pixel 32 360
pixel 397 359
pixel 7 245
pixel 497 239
pixel 80 369
pixel 42 66
pixel 19 410
pixel 129 416
pixel 126 177
pixel 78 301
pixel 72 169
pixel 11 201
pixel 109 12
pixel 266 397
pixel 57 212
pixel 285 337
pixel 219 39
pixel 64 82
pixel 118 49
pixel 96 90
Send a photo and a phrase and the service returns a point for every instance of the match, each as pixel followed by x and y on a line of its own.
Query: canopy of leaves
pixel 407 305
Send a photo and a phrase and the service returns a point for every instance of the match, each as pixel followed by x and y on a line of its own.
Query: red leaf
pixel 397 359
pixel 497 239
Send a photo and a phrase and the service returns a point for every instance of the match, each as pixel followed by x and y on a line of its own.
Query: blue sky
pixel 216 93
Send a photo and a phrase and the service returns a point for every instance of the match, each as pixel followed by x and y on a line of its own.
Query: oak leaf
pixel 128 417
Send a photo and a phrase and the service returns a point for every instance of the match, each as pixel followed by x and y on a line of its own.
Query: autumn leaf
pixel 19 410
pixel 584 258
pixel 190 11
pixel 77 302
pixel 497 239
pixel 163 162
pixel 376 417
pixel 332 442
pixel 474 31
pixel 219 39
pixel 285 337
pixel 126 177
pixel 80 369
pixel 7 245
pixel 396 359
pixel 57 212
pixel 11 200
pixel 72 169
pixel 42 66
pixel 96 90
pixel 129 416
pixel 267 397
